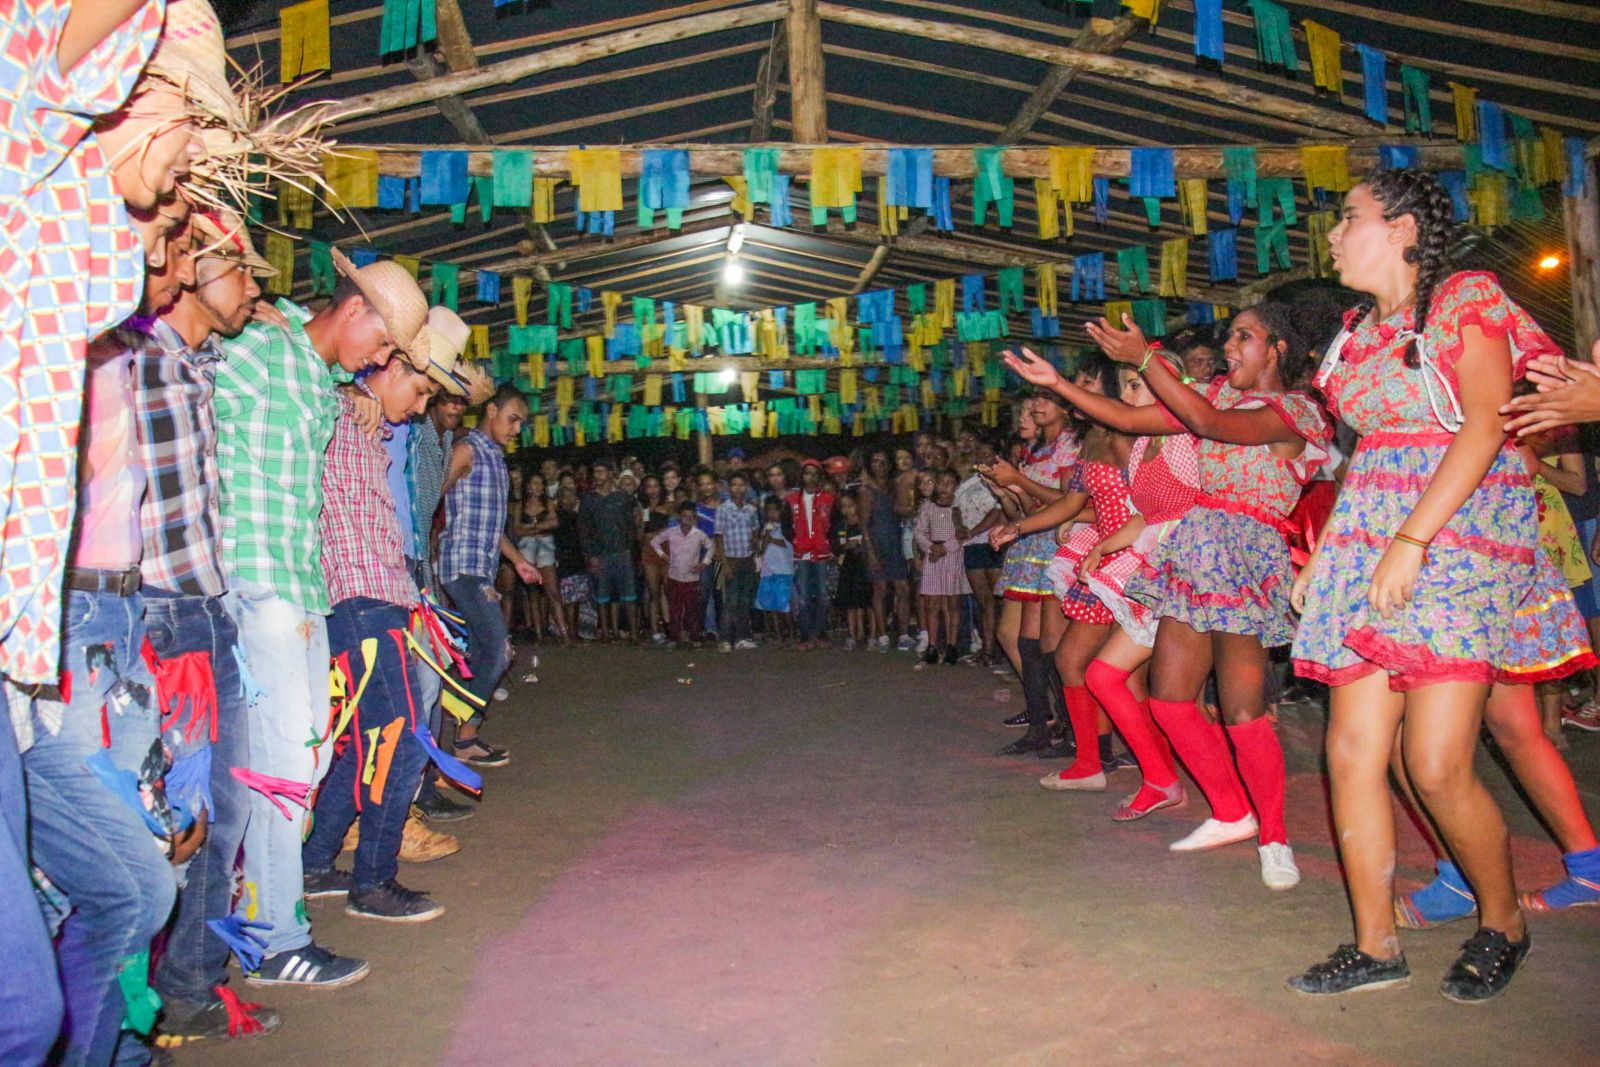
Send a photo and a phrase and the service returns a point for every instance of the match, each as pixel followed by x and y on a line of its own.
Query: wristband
pixel 1417 541
pixel 1149 354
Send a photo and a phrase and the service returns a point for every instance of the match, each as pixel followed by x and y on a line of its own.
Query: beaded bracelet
pixel 1417 541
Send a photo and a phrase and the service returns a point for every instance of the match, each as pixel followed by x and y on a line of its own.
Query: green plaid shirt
pixel 276 403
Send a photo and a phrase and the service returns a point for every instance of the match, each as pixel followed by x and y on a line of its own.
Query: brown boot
pixel 352 837
pixel 422 845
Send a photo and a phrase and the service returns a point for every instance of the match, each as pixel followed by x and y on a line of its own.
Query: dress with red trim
pixel 1023 577
pixel 1162 492
pixel 1107 487
pixel 1225 568
pixel 1484 566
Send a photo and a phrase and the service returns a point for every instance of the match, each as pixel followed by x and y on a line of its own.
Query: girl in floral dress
pixel 1219 582
pixel 1410 602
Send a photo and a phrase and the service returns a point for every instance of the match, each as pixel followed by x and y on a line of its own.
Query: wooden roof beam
pixel 1124 69
pixel 1098 37
pixel 808 107
pixel 769 72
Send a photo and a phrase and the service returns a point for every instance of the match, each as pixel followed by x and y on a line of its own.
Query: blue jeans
pixel 286 650
pixel 486 635
pixel 392 695
pixel 196 960
pixel 811 594
pixel 30 990
pixel 89 842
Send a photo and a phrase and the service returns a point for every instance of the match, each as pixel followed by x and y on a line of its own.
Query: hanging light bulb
pixel 729 376
pixel 1550 262
pixel 736 240
pixel 732 272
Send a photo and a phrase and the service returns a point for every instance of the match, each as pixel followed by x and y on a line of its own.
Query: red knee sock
pixel 1084 714
pixel 1132 719
pixel 1260 757
pixel 1204 752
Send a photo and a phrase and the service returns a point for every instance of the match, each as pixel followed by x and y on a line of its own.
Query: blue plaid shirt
pixel 737 525
pixel 475 514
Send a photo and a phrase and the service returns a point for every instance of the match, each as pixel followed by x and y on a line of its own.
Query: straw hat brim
pixel 380 302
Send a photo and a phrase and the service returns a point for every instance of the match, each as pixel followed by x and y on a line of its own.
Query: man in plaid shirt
pixel 276 405
pixel 737 523
pixel 370 583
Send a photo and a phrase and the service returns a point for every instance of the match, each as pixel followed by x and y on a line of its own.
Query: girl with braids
pixel 1219 581
pixel 1411 600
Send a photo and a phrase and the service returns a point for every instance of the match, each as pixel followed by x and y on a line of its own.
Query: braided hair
pixel 1407 192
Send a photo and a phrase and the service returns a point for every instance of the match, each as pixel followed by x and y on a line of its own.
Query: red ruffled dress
pixel 1226 566
pixel 1108 490
pixel 1487 606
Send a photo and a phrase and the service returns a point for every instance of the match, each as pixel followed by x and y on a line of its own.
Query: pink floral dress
pixel 1226 566
pixel 1487 606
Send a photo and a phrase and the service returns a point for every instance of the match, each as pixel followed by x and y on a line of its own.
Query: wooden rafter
pixel 807 79
pixel 1098 37
pixel 769 72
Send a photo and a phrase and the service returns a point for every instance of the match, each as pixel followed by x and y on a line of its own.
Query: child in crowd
pixel 572 570
pixel 687 551
pixel 938 539
pixel 855 584
pixel 776 547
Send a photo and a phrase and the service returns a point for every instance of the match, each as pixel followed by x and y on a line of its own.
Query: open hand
pixel 1127 345
pixel 1002 473
pixel 1569 393
pixel 1030 368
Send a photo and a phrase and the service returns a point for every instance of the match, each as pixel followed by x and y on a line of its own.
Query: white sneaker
pixel 882 643
pixel 1278 871
pixel 747 645
pixel 922 642
pixel 849 644
pixel 658 638
pixel 502 694
pixel 724 647
pixel 907 643
pixel 1214 834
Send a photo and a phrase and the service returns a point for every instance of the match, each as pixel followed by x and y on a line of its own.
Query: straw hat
pixel 396 297
pixel 226 237
pixel 244 147
pixel 444 338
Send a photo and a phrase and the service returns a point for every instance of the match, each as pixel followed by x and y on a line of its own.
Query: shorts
pixel 575 589
pixel 615 579
pixel 539 551
pixel 891 565
pixel 980 557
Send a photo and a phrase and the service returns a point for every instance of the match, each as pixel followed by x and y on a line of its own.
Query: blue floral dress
pixel 1225 567
pixel 1487 606
pixel 1023 576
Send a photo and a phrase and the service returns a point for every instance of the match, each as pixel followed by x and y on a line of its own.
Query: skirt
pixel 1221 571
pixel 1024 577
pixel 773 593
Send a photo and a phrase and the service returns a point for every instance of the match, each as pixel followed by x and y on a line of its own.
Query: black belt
pixel 117 583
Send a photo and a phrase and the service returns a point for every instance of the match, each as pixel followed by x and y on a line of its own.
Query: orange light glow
pixel 1549 262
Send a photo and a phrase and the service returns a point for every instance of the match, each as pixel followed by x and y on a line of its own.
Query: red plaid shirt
pixel 71 267
pixel 362 551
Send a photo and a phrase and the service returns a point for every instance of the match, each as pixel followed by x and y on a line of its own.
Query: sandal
pixel 1172 797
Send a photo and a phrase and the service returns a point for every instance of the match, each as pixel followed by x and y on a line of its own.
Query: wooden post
pixel 769 72
pixel 807 103
pixel 702 438
pixel 1582 216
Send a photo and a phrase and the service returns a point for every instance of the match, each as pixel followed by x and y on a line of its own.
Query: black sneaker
pixel 1032 742
pixel 329 883
pixel 392 902
pixel 1485 966
pixel 1122 761
pixel 950 657
pixel 1060 748
pixel 312 966
pixel 224 1017
pixel 1349 970
pixel 436 807
pixel 1018 721
pixel 931 656
pixel 479 754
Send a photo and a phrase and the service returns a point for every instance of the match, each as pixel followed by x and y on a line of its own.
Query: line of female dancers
pixel 1426 605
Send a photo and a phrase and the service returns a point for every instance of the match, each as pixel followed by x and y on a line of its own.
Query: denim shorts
pixel 615 580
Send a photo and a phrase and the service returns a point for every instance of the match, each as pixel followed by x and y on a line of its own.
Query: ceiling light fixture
pixel 732 272
pixel 1549 262
pixel 736 240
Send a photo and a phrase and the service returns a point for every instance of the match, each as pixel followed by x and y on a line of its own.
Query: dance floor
pixel 777 858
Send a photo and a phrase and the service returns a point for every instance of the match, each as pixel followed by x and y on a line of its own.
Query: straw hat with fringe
pixel 396 297
pixel 224 235
pixel 245 148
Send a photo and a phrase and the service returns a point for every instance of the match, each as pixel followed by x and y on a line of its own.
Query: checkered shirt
pixel 177 427
pixel 276 402
pixel 475 514
pixel 71 267
pixel 737 526
pixel 363 553
pixel 430 457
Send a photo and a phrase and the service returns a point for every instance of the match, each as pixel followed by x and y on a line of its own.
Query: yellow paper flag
pixel 740 204
pixel 597 172
pixel 480 342
pixel 411 264
pixel 543 207
pixel 835 176
pixel 652 390
pixel 1192 203
pixel 352 176
pixel 1466 101
pixel 280 253
pixel 1045 295
pixel 1072 173
pixel 303 39
pixel 1327 69
pixel 521 290
pixel 608 304
pixel 1327 167
pixel 847 387
pixel 944 302
pixel 594 348
pixel 1174 267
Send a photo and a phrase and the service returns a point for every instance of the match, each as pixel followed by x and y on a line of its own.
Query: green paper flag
pixel 513 178
pixel 1133 264
pixel 991 186
pixel 1011 294
pixel 446 285
pixel 558 304
pixel 322 276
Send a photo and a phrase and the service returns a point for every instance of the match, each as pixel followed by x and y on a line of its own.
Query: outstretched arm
pixel 1240 426
pixel 1108 412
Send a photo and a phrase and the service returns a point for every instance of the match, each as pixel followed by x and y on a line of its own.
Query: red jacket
pixel 811 539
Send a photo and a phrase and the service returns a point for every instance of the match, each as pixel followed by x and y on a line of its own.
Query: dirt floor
pixel 777 858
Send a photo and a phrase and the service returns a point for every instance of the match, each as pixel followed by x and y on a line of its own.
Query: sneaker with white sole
pixel 312 966
pixel 849 644
pixel 392 902
pixel 882 643
pixel 922 642
pixel 747 645
pixel 1213 833
pixel 1278 871
pixel 725 647
pixel 907 643
pixel 502 694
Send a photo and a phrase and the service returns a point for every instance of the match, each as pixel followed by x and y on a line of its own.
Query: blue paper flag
pixel 1152 172
pixel 1492 136
pixel 1208 29
pixel 444 178
pixel 1399 157
pixel 362 257
pixel 972 295
pixel 664 178
pixel 1374 82
pixel 488 287
pixel 910 177
pixel 1455 183
pixel 943 215
pixel 1089 277
pixel 1102 199
pixel 1222 247
pixel 1577 183
pixel 782 213
pixel 448 765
